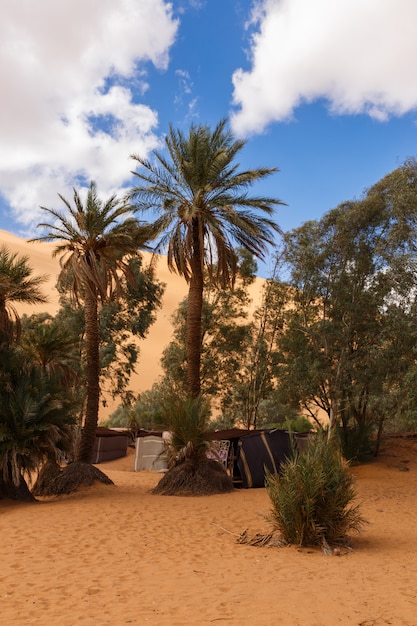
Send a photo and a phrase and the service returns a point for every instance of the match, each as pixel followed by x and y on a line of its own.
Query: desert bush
pixel 312 497
pixel 356 442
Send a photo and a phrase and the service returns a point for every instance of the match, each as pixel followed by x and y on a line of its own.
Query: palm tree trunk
pixel 194 312
pixel 92 337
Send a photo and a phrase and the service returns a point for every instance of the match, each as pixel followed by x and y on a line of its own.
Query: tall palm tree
pixel 97 240
pixel 17 285
pixel 204 212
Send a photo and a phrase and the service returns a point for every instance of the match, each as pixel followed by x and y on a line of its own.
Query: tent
pixel 150 453
pixel 251 451
pixel 109 444
pixel 259 450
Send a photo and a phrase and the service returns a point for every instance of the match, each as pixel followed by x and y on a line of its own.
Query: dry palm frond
pixel 260 540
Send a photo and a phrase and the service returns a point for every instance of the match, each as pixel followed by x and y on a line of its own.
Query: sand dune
pixel 116 555
pixel 160 333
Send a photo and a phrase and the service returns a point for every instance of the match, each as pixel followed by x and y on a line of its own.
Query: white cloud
pixel 356 54
pixel 63 67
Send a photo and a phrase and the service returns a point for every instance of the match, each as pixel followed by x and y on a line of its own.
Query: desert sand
pixel 115 555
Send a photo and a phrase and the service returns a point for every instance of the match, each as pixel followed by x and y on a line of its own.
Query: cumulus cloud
pixel 357 55
pixel 71 73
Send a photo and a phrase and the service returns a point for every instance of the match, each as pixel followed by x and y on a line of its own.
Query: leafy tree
pixel 146 412
pixel 204 211
pixel 238 355
pixel 97 242
pixel 257 382
pixel 350 333
pixel 17 285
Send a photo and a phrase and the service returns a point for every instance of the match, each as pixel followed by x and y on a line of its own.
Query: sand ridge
pixel 148 368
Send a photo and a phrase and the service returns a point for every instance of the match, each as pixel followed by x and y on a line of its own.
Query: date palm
pixel 204 212
pixel 96 241
pixel 36 419
pixel 17 285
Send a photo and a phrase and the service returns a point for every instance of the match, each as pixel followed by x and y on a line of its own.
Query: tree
pixel 17 285
pixel 238 353
pixel 97 242
pixel 350 332
pixel 50 344
pixel 204 211
pixel 191 472
pixel 224 329
pixel 257 380
pixel 36 417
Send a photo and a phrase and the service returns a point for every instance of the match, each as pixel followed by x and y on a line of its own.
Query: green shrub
pixel 312 497
pixel 187 419
pixel 355 441
pixel 298 424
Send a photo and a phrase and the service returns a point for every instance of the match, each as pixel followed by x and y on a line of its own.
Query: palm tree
pixel 51 346
pixel 36 420
pixel 191 471
pixel 17 285
pixel 97 241
pixel 204 212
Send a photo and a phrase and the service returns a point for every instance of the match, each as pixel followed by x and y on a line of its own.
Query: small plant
pixel 187 419
pixel 299 424
pixel 191 472
pixel 312 497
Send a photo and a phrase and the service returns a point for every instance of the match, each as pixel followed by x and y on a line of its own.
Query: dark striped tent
pixel 259 450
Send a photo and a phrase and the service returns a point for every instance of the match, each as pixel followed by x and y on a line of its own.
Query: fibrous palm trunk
pixel 194 312
pixel 92 336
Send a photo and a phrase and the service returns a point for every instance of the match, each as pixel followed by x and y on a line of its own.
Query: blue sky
pixel 325 91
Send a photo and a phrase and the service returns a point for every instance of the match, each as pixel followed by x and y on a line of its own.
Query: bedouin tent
pixel 259 450
pixel 109 444
pixel 251 451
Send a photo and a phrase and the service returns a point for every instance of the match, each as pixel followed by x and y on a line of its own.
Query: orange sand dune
pixel 116 555
pixel 160 333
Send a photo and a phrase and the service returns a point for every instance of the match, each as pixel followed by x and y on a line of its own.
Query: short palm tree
pixel 96 242
pixel 204 212
pixel 36 419
pixel 191 471
pixel 17 285
pixel 52 347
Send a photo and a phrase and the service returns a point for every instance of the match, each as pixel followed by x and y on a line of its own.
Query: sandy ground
pixel 114 555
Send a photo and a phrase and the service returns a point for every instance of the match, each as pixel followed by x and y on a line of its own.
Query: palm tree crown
pixel 202 201
pixel 95 244
pixel 204 213
pixel 17 285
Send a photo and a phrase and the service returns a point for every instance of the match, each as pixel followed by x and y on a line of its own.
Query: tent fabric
pixel 109 447
pixel 150 454
pixel 260 450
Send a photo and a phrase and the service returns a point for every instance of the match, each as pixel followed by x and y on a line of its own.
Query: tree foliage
pixel 36 417
pixel 17 285
pixel 350 332
pixel 204 212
